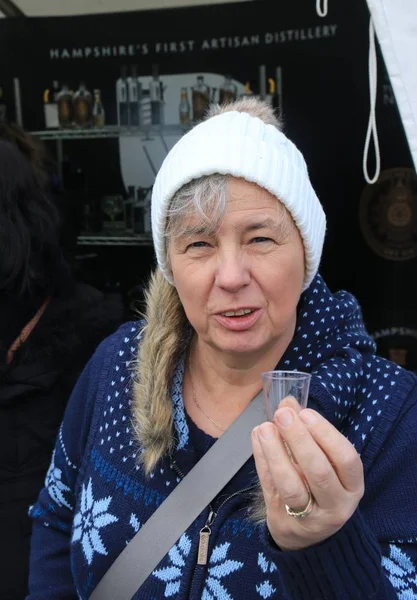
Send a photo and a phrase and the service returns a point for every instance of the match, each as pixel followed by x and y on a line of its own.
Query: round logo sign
pixel 388 214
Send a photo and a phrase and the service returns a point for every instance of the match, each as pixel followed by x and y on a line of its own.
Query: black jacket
pixel 34 390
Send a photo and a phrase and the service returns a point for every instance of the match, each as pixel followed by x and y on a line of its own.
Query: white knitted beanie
pixel 235 143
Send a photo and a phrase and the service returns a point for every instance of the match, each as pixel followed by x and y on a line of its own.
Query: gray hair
pixel 205 197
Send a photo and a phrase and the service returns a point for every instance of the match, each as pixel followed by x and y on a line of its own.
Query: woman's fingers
pixel 279 478
pixel 291 402
pixel 262 469
pixel 339 451
pixel 318 471
pixel 326 463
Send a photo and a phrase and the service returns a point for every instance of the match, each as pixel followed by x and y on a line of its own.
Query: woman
pixel 238 234
pixel 49 328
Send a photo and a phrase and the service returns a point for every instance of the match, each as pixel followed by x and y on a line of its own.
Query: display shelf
pixel 110 131
pixel 113 240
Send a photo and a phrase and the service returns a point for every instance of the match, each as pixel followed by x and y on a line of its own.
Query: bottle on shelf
pixel 83 107
pixel 269 98
pixel 201 98
pixel 145 110
pixel 277 100
pixel 184 107
pixel 99 115
pixel 50 106
pixel 134 92
pixel 262 82
pixel 247 92
pixel 122 98
pixel 65 107
pixel 155 92
pixel 228 91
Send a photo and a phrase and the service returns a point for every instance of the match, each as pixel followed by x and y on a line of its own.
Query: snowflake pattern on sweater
pixel 172 573
pixel 97 494
pixel 402 573
pixel 93 516
pixel 220 567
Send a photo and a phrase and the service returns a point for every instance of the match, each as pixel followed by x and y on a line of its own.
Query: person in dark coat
pixel 50 325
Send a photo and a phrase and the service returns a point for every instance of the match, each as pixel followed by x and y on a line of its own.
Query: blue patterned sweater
pixel 96 497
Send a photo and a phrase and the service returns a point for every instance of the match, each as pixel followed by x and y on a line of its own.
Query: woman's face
pixel 240 286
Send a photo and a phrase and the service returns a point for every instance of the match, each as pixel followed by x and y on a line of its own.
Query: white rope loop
pixel 322 10
pixel 372 127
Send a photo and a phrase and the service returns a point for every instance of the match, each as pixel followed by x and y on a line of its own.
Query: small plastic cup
pixel 278 385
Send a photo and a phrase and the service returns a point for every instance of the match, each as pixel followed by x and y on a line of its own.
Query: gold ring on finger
pixel 301 514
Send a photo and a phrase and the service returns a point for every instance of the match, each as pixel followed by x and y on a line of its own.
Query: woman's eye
pixel 260 239
pixel 198 245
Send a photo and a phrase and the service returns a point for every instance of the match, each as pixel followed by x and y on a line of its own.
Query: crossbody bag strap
pixel 185 503
pixel 26 331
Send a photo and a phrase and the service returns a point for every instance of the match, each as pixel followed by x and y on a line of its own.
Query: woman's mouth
pixel 237 313
pixel 238 320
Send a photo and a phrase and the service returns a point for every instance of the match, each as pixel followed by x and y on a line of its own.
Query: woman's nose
pixel 232 271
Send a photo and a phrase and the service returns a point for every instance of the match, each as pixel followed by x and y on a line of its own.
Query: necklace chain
pixel 196 401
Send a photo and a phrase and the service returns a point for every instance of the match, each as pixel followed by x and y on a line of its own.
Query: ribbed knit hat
pixel 235 143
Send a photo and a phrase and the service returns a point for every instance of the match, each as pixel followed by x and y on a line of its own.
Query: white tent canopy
pixel 395 23
pixel 396 27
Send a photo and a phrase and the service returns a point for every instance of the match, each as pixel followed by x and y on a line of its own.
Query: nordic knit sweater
pixel 96 496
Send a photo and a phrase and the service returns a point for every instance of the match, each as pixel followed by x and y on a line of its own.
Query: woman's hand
pixel 322 459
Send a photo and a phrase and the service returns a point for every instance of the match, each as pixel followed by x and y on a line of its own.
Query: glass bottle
pixel 99 115
pixel 122 98
pixel 247 90
pixel 83 107
pixel 65 107
pixel 155 91
pixel 201 98
pixel 277 100
pixel 134 94
pixel 184 107
pixel 228 91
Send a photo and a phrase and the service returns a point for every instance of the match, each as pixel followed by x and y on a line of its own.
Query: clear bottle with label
pixel 122 98
pixel 228 91
pixel 50 101
pixel 184 107
pixel 145 110
pixel 201 98
pixel 269 97
pixel 65 107
pixel 278 95
pixel 155 92
pixel 247 91
pixel 83 107
pixel 99 115
pixel 134 94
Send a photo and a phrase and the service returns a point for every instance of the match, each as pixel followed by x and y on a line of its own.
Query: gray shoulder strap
pixel 185 503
